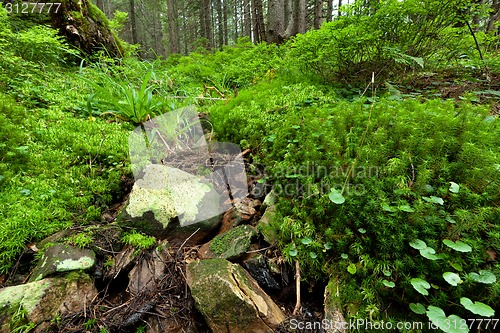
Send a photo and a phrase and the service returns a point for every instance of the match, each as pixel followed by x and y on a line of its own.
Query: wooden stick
pixel 296 310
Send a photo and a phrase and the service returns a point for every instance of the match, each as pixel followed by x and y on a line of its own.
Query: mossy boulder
pixel 229 299
pixel 233 243
pixel 170 203
pixel 62 258
pixel 39 301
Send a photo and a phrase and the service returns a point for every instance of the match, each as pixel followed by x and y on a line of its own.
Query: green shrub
pixel 398 35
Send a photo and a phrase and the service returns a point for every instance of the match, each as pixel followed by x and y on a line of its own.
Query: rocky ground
pixel 214 275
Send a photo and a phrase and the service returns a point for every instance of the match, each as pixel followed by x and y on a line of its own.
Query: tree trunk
pixel 291 18
pixel 206 11
pixel 258 21
pixel 276 21
pixel 173 37
pixel 220 25
pixel 302 16
pixel 329 11
pixel 224 20
pixel 236 22
pixel 318 14
pixel 247 18
pixel 494 16
pixel 133 24
pixel 100 5
pixel 89 30
pixel 339 12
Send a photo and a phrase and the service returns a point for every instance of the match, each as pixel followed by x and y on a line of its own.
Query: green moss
pixel 233 242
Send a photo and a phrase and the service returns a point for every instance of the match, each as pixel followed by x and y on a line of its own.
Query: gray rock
pixel 41 300
pixel 229 299
pixel 170 203
pixel 62 258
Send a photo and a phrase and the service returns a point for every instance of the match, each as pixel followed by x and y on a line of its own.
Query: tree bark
pixel 318 14
pixel 329 11
pixel 236 21
pixel 220 24
pixel 494 16
pixel 89 31
pixel 247 18
pixel 133 24
pixel 302 16
pixel 339 12
pixel 258 21
pixel 224 20
pixel 173 37
pixel 276 21
pixel 291 18
pixel 206 11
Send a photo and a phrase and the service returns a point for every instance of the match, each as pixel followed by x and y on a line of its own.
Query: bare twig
pixel 298 306
pixel 187 239
pixel 98 151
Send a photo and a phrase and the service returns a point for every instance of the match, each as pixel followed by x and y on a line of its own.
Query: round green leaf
pixel 344 256
pixel 327 245
pixel 389 284
pixel 387 273
pixel 362 231
pixel 293 253
pixel 452 278
pixel 417 308
pixel 454 187
pixel 457 246
pixel 486 277
pixel 477 307
pixel 420 285
pixel 406 208
pixel 306 240
pixel 352 269
pixel 437 200
pixel 313 255
pixel 336 197
pixel 418 244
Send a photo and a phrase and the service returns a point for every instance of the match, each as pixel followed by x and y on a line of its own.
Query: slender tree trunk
pixel 224 20
pixel 494 16
pixel 220 24
pixel 133 24
pixel 173 37
pixel 339 12
pixel 318 13
pixel 329 11
pixel 276 21
pixel 236 21
pixel 258 21
pixel 207 22
pixel 247 18
pixel 100 4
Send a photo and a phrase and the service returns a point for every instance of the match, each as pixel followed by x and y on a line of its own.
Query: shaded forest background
pixel 183 26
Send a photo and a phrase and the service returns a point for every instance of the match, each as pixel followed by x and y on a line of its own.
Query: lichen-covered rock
pixel 229 299
pixel 231 244
pixel 333 312
pixel 62 258
pixel 41 300
pixel 168 202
